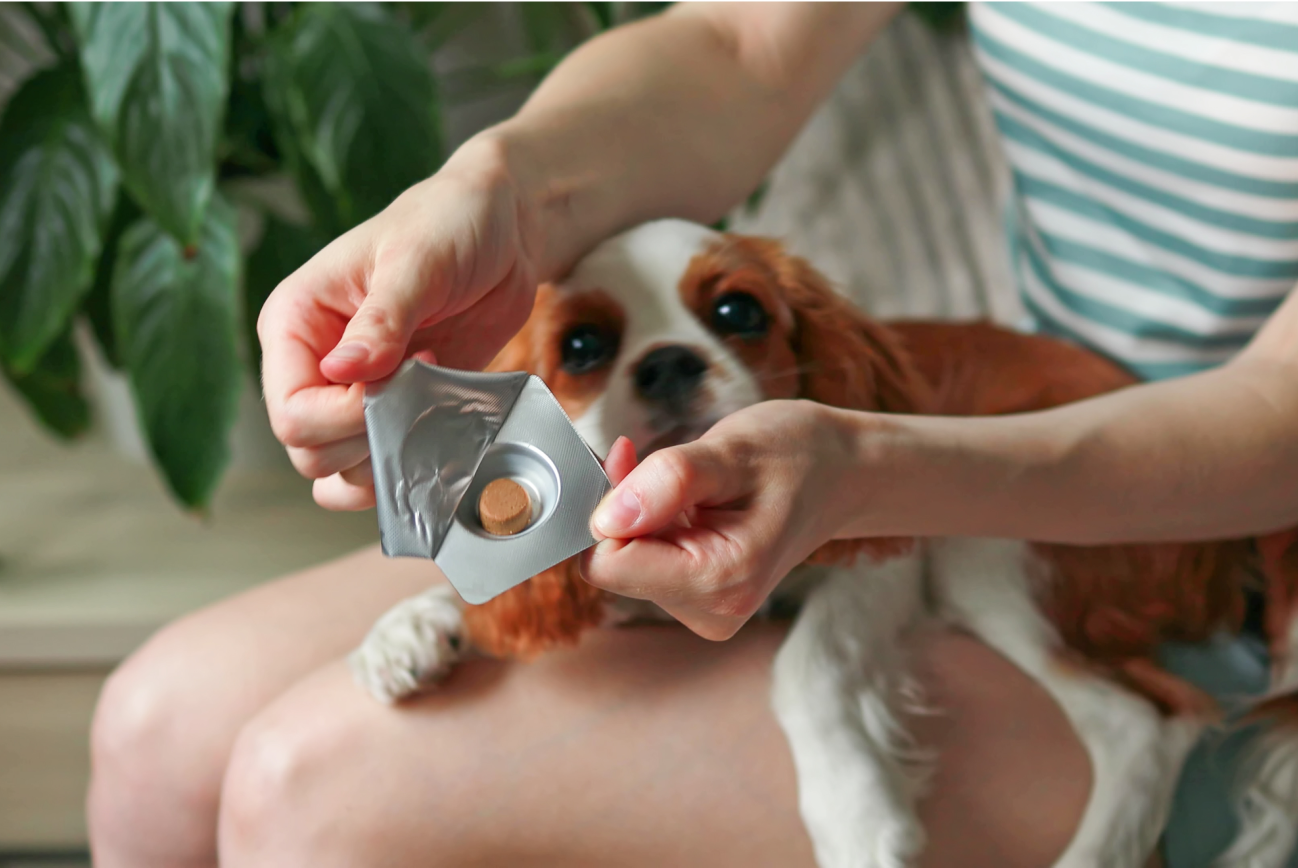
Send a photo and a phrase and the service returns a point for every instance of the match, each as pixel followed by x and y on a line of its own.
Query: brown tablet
pixel 504 508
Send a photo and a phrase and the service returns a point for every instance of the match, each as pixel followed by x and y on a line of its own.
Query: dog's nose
pixel 669 375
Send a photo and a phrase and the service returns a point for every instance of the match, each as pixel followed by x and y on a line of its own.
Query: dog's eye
pixel 587 347
pixel 738 313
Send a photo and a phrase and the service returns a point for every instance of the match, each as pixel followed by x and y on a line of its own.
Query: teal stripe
pixel 1280 230
pixel 1156 114
pixel 1268 34
pixel 1236 266
pixel 1148 371
pixel 1245 85
pixel 1154 279
pixel 1120 319
pixel 1172 163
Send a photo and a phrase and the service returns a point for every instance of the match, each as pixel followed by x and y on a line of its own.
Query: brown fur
pixel 552 315
pixel 1278 712
pixel 835 355
pixel 1112 605
pixel 1278 553
pixel 843 358
pixel 547 611
pixel 981 369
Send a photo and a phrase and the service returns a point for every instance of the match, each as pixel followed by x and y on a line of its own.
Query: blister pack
pixel 439 438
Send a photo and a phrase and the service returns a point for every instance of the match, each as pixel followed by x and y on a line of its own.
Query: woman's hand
pixel 707 529
pixel 446 272
pixel 451 266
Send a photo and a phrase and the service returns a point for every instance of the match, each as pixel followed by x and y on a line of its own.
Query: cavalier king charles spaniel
pixel 661 331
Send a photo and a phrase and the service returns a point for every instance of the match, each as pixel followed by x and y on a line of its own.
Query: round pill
pixel 504 507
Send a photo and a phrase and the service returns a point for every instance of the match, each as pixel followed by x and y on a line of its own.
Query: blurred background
pixel 163 167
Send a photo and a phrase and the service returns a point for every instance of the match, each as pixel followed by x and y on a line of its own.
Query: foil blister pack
pixel 438 437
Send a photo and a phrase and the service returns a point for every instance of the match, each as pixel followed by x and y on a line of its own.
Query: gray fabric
pixel 895 189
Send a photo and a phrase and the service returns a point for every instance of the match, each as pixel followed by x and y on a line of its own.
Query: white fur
pixel 1268 805
pixel 1136 754
pixel 641 270
pixel 412 647
pixel 840 682
pixel 1268 788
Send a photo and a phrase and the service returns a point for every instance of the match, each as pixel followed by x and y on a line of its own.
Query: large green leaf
pixel 282 250
pixel 247 145
pixel 53 388
pixel 98 305
pixel 176 319
pixel 157 78
pixel 57 183
pixel 355 108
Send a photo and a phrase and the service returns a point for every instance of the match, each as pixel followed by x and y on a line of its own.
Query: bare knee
pixel 288 787
pixel 320 778
pixel 151 787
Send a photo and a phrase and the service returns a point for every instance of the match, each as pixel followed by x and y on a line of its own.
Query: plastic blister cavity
pixel 438 437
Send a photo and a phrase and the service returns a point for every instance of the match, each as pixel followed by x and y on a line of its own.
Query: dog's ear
pixel 1278 553
pixel 547 611
pixel 847 359
pixel 520 354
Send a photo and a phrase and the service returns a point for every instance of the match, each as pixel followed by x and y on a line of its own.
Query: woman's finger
pixel 682 579
pixel 336 493
pixel 317 462
pixel 374 342
pixel 677 563
pixel 666 484
pixel 296 328
pixel 362 475
pixel 620 461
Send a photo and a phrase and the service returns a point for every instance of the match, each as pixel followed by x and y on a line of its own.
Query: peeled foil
pixel 438 436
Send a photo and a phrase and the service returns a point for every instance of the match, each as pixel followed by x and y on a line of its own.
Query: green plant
pixel 942 17
pixel 118 160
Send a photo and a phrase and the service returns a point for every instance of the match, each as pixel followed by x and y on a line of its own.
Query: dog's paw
pixel 860 816
pixel 877 842
pixel 411 648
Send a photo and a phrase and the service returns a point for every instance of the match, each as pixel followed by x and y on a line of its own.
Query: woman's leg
pixel 168 717
pixel 645 746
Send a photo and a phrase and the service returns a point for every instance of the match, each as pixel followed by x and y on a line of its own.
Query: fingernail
pixel 617 514
pixel 349 352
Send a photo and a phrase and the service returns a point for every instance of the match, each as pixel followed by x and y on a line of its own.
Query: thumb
pixel 378 334
pixel 667 483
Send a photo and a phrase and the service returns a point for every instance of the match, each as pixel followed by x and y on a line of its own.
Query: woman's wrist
pixel 495 163
pixel 881 476
pixel 942 476
pixel 559 212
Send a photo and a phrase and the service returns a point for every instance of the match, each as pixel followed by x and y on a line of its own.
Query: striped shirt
pixel 1154 156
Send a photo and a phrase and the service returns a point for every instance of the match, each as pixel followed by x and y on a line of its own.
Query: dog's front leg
pixel 987 587
pixel 840 684
pixel 412 647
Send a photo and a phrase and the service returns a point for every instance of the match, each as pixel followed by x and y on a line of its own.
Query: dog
pixel 662 331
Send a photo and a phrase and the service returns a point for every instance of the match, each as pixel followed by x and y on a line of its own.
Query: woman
pixel 237 729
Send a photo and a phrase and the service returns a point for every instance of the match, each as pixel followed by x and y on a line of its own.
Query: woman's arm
pixel 678 115
pixel 1207 456
pixel 1210 456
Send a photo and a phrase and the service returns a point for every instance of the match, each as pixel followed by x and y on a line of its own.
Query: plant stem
pixel 47 29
